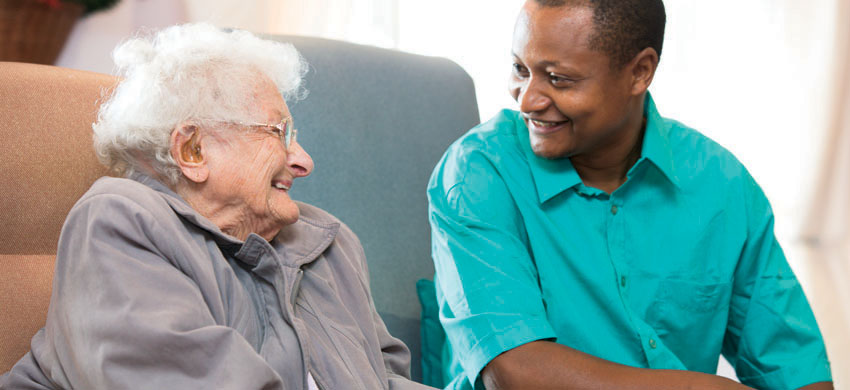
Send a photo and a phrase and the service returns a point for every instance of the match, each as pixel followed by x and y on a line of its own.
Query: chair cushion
pixel 433 335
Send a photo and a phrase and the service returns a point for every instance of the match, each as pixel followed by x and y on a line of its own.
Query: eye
pixel 520 70
pixel 275 131
pixel 559 80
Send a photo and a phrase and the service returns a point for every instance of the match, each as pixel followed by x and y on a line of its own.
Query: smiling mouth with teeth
pixel 547 124
pixel 281 186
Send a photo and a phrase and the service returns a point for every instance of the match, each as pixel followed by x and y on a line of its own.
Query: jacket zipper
pixel 293 296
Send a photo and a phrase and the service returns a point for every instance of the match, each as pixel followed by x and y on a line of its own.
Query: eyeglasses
pixel 283 130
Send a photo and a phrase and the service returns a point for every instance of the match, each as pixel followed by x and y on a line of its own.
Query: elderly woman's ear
pixel 188 152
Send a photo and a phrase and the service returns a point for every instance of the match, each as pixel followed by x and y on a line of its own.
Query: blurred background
pixel 768 79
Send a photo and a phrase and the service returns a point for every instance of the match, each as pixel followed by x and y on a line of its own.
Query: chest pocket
pixel 691 316
pixel 678 298
pixel 683 287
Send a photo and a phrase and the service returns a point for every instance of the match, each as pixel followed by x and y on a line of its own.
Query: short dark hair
pixel 622 28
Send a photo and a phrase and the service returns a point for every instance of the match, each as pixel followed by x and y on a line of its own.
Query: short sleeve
pixel 487 283
pixel 772 337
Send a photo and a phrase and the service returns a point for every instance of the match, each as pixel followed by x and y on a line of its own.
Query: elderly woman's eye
pixel 272 129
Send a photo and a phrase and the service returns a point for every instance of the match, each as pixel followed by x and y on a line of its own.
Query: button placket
pixel 616 243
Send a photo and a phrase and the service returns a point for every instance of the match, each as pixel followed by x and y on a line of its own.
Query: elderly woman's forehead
pixel 267 99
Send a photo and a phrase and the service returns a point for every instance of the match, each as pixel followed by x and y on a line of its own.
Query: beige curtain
pixel 828 220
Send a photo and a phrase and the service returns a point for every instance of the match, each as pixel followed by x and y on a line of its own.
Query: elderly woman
pixel 198 270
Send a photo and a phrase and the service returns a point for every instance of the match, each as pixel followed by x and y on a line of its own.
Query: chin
pixel 550 153
pixel 551 149
pixel 283 212
pixel 289 215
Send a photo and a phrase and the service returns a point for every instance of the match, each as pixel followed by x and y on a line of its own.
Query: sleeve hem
pixel 486 349
pixel 793 376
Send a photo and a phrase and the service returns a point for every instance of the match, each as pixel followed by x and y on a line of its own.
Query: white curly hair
pixel 190 72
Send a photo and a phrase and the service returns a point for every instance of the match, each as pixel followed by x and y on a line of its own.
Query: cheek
pixel 571 105
pixel 580 106
pixel 266 159
pixel 250 171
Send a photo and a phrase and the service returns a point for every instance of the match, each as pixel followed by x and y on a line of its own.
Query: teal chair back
pixel 376 122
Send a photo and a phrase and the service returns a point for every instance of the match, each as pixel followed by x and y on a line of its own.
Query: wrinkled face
pixel 572 101
pixel 251 171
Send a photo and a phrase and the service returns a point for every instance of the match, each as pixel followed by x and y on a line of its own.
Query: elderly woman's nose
pixel 300 163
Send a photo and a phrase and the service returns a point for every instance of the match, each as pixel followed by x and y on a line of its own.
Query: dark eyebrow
pixel 544 63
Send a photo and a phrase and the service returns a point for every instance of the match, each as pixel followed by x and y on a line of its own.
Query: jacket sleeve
pixel 122 315
pixel 396 359
pixel 772 338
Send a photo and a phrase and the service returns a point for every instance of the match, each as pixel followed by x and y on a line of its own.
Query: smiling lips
pixel 544 127
pixel 282 184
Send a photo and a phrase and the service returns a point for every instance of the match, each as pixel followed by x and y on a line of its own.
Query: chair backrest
pixel 46 164
pixel 375 122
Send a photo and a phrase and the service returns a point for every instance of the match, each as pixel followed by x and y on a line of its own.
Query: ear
pixel 187 150
pixel 642 70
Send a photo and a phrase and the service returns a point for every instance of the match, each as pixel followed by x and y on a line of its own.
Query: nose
pixel 532 97
pixel 300 163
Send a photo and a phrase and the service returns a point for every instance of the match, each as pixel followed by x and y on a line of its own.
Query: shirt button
pixel 623 281
pixel 614 209
pixel 652 343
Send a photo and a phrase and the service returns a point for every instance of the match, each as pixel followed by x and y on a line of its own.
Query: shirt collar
pixel 656 141
pixel 299 243
pixel 551 177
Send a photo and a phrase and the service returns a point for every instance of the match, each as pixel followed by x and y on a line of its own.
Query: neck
pixel 606 168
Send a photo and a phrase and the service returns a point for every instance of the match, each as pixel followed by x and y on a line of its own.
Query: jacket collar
pixel 551 177
pixel 297 244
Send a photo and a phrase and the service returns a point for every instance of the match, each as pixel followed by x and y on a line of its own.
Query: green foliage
pixel 94 5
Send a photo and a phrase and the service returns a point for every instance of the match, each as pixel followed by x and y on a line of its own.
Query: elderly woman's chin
pixel 266 220
pixel 283 208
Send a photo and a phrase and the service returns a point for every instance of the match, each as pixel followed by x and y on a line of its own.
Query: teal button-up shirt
pixel 675 267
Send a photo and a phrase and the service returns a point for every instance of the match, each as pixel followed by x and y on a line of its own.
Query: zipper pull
pixel 311 380
pixel 296 286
